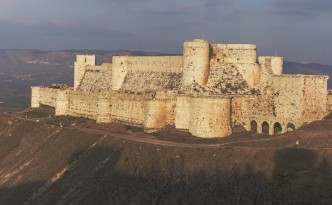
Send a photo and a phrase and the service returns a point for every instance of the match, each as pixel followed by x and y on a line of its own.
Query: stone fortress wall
pixel 207 91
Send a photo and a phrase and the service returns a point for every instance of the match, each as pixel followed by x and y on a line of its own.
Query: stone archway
pixel 265 127
pixel 290 127
pixel 253 126
pixel 277 128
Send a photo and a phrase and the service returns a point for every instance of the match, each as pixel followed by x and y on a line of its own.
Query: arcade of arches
pixel 271 128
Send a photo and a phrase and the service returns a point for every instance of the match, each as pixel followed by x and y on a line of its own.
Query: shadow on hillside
pixel 299 177
pixel 18 194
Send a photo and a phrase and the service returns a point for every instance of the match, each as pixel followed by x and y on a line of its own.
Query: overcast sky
pixel 299 30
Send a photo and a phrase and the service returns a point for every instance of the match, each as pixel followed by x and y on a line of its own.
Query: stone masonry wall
pixel 35 97
pixel 182 112
pixel 104 114
pixel 128 109
pixel 79 67
pixel 196 62
pixel 209 89
pixel 83 104
pixel 242 56
pixel 287 96
pixel 44 96
pixel 210 117
pixel 315 92
pixel 48 96
pixel 329 101
pixel 96 79
pixel 234 53
pixel 170 64
pixel 151 81
pixel 272 62
pixel 152 64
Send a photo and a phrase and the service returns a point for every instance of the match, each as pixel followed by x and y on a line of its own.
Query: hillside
pixel 42 163
pixel 20 69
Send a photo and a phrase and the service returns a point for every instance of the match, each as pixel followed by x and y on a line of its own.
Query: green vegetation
pixel 134 128
pixel 36 114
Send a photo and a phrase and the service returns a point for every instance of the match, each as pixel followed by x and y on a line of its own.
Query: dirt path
pixel 170 143
pixel 178 144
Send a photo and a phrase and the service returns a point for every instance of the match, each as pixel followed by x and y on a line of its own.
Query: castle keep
pixel 207 91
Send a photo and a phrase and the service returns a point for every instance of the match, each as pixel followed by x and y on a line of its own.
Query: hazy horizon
pixel 298 30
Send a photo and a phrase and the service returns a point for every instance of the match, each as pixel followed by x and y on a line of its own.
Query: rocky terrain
pixel 42 162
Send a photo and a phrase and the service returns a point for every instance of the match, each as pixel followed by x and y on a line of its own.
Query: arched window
pixel 265 127
pixel 277 128
pixel 290 127
pixel 253 126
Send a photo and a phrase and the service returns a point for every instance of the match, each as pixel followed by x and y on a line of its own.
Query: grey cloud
pixel 78 30
pixel 51 34
pixel 301 7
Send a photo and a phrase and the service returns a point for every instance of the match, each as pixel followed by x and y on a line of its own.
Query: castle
pixel 207 91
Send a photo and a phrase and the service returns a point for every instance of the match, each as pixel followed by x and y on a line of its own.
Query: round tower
pixel 196 62
pixel 210 117
pixel 277 65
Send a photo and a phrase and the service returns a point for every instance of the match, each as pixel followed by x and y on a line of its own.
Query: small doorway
pixel 290 127
pixel 253 126
pixel 277 128
pixel 265 127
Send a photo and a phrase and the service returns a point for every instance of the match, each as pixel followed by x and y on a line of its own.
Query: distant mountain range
pixel 20 69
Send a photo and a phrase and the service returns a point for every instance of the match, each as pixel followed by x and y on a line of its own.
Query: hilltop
pixel 44 163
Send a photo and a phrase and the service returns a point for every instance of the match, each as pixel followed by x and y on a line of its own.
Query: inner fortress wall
pixel 210 117
pixel 134 64
pixel 243 56
pixel 166 64
pixel 196 62
pixel 119 71
pixel 274 63
pixel 90 77
pixel 265 76
pixel 234 53
pixel 79 67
